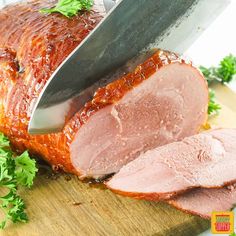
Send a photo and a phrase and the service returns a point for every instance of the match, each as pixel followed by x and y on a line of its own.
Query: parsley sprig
pixel 224 73
pixel 69 8
pixel 15 171
pixel 213 107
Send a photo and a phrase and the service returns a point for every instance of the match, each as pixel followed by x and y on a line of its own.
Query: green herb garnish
pixel 224 73
pixel 15 171
pixel 213 107
pixel 69 8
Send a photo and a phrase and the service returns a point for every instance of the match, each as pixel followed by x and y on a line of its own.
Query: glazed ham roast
pixel 203 160
pixel 32 46
pixel 163 100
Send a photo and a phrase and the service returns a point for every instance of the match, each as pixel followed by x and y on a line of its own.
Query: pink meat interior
pixel 204 201
pixel 166 107
pixel 203 160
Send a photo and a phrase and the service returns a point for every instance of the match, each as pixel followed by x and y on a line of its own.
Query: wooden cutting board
pixel 59 206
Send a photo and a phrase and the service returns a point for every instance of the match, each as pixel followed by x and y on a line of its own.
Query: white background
pixel 216 42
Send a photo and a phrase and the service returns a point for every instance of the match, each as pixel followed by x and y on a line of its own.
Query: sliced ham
pixel 204 160
pixel 163 100
pixel 152 106
pixel 203 202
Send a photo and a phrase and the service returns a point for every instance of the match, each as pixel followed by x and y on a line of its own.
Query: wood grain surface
pixel 63 205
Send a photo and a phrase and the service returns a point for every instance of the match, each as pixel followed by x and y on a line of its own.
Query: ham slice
pixel 153 105
pixel 203 202
pixel 204 160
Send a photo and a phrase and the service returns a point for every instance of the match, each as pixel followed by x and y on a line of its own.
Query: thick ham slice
pixel 163 100
pixel 204 160
pixel 152 106
pixel 203 202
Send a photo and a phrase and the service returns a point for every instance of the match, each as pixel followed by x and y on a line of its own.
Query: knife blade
pixel 128 28
pixel 109 4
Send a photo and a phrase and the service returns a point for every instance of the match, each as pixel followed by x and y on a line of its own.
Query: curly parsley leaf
pixel 224 73
pixel 25 169
pixel 14 208
pixel 14 171
pixel 69 8
pixel 213 107
pixel 227 69
pixel 209 73
pixel 4 142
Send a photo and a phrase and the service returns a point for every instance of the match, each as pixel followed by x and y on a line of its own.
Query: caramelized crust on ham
pixel 32 46
pixel 164 172
pixel 151 106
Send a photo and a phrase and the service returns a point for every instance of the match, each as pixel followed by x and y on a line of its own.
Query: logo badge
pixel 222 222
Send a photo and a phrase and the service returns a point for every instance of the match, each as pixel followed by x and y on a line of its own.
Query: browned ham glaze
pixel 151 106
pixel 32 46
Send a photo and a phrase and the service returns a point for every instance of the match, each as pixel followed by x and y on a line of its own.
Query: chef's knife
pixel 129 27
pixel 108 4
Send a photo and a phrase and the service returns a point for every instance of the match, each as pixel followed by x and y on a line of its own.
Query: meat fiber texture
pixel 203 202
pixel 163 100
pixel 205 160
